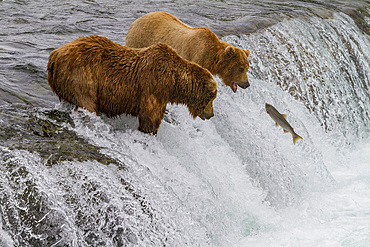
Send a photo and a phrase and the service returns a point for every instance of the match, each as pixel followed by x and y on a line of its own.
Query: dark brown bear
pixel 102 76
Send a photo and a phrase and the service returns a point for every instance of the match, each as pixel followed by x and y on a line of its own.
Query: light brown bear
pixel 199 45
pixel 103 76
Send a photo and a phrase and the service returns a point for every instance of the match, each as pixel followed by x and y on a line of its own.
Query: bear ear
pixel 247 52
pixel 230 50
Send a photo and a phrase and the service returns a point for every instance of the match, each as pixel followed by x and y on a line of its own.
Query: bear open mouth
pixel 234 87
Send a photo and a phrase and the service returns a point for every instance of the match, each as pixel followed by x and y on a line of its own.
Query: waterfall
pixel 323 63
pixel 76 179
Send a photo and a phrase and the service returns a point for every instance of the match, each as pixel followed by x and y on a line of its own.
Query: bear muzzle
pixel 208 111
pixel 206 115
pixel 234 85
pixel 243 85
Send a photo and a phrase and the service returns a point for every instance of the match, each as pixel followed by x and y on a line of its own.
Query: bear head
pixel 234 67
pixel 204 106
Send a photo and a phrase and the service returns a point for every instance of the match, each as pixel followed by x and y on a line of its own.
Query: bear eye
pixel 241 70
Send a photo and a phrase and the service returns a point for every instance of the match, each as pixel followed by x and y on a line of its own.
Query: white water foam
pixel 5 239
pixel 340 217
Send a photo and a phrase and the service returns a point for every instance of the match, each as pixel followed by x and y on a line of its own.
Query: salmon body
pixel 280 119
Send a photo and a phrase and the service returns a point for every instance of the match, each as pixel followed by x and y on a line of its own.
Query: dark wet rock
pixel 45 133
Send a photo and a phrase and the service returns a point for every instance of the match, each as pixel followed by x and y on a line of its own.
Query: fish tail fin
pixel 295 138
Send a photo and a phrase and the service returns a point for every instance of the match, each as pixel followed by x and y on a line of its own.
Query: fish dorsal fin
pixel 284 116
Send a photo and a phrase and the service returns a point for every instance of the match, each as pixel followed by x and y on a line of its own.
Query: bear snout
pixel 208 111
pixel 243 85
pixel 206 115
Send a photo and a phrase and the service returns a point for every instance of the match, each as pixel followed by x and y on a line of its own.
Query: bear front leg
pixel 151 115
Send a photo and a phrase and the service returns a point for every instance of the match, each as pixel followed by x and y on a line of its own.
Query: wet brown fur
pixel 199 45
pixel 102 76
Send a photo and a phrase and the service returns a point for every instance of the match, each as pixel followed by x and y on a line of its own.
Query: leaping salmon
pixel 280 119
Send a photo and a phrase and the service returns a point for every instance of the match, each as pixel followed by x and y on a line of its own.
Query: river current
pixel 76 179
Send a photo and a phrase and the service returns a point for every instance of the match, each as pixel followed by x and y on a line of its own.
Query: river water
pixel 76 179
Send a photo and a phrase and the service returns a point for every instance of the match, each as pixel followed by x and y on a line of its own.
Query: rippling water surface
pixel 76 179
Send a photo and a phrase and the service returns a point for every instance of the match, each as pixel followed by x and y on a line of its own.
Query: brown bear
pixel 199 45
pixel 103 76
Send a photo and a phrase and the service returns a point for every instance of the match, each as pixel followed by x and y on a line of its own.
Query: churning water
pixel 76 179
